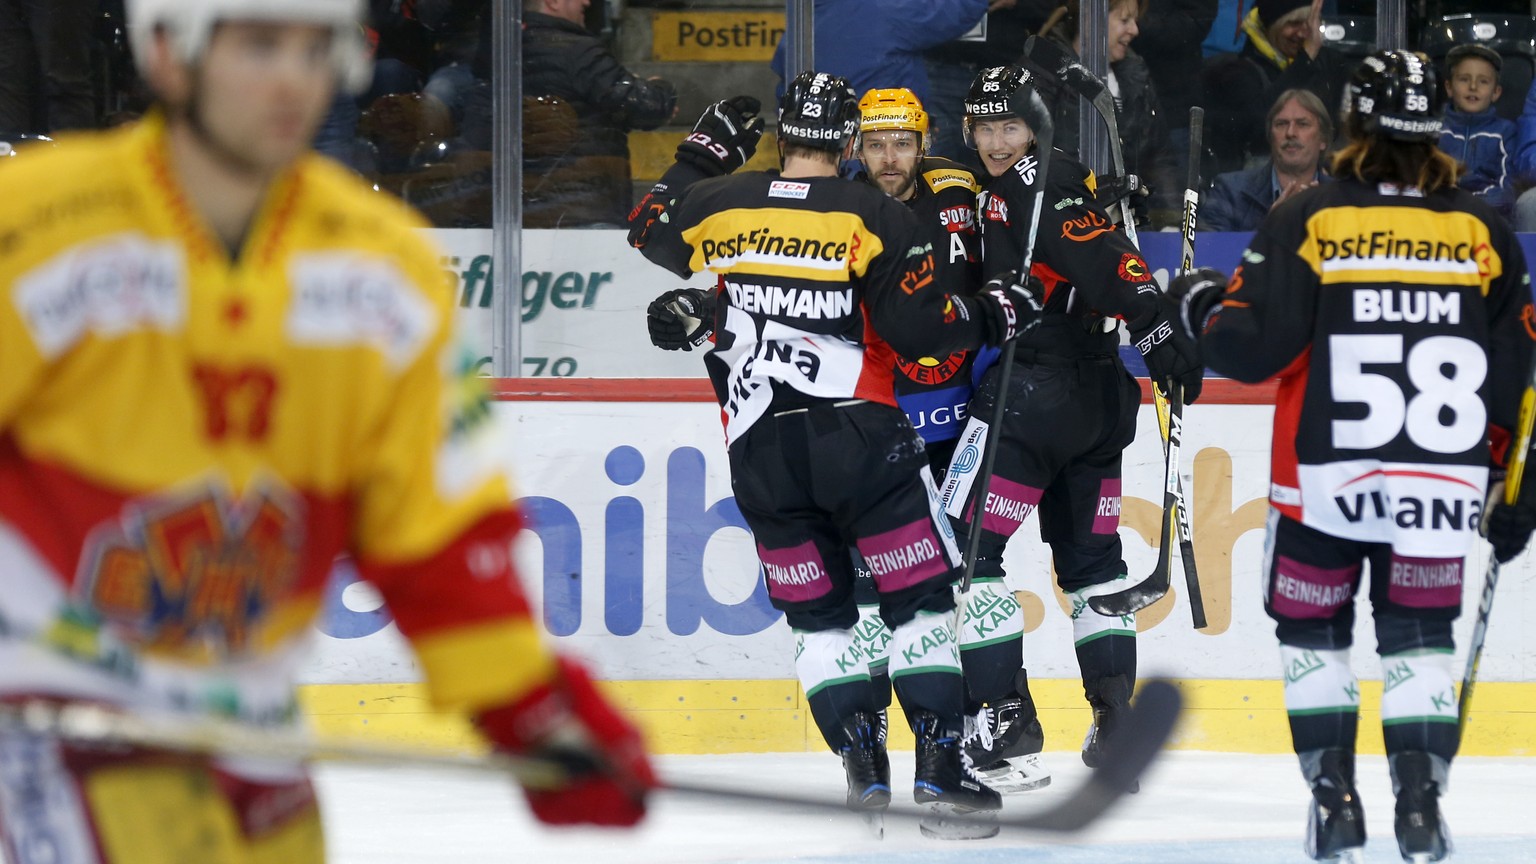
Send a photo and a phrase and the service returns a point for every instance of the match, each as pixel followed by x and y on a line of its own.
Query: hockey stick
pixel 1512 480
pixel 1153 714
pixel 1038 117
pixel 1076 77
pixel 1187 264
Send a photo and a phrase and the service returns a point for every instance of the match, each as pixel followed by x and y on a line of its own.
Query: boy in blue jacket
pixel 1472 133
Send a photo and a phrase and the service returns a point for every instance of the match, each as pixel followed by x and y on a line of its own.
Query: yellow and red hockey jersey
pixel 188 439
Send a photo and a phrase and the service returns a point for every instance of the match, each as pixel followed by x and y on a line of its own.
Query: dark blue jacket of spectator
pixel 1525 140
pixel 1485 143
pixel 1239 200
pixel 880 43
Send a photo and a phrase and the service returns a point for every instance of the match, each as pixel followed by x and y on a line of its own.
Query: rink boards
pixel 639 560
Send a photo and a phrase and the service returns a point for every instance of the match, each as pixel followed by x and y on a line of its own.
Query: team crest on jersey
pixel 1132 268
pixel 1526 314
pixel 931 371
pixel 194 576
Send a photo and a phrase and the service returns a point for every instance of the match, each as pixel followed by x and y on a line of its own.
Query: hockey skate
pixel 1417 778
pixel 1110 707
pixel 1005 748
pixel 868 767
pixel 1335 820
pixel 945 782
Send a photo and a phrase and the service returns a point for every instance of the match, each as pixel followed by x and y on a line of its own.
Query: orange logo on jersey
pixel 1132 268
pixel 1085 228
pixel 192 577
pixel 914 281
pixel 929 371
pixel 1483 255
pixel 1526 314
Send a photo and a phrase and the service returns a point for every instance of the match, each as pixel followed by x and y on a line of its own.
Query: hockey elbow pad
pixel 682 319
pixel 568 722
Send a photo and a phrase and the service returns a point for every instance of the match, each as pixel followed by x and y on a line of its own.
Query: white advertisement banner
pixel 583 303
pixel 639 558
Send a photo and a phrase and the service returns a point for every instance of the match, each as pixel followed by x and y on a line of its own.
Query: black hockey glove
pixel 682 319
pixel 725 136
pixel 1172 354
pixel 1010 309
pixel 647 213
pixel 1509 526
pixel 1197 294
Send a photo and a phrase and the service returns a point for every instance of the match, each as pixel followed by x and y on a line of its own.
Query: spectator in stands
pixel 588 184
pixel 1169 43
pixel 1473 133
pixel 1284 51
pixel 45 66
pixel 1300 130
pixel 952 67
pixel 1138 111
pixel 879 44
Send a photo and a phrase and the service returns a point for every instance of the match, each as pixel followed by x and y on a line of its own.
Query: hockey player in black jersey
pixel 1395 311
pixel 821 282
pixel 1070 406
pixel 1004 737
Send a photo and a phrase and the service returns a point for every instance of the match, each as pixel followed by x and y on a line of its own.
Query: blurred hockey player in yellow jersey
pixel 226 362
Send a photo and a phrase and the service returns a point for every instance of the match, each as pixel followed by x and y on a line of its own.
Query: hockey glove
pixel 1197 295
pixel 651 209
pixel 1010 309
pixel 1509 526
pixel 725 136
pixel 569 722
pixel 681 319
pixel 1172 354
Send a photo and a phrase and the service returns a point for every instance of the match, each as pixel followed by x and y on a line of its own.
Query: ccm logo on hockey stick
pixel 1158 336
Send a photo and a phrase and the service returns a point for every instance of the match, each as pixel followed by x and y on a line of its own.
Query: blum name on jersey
pixel 188 440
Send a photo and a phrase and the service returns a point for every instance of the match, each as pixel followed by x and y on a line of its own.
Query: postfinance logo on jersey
pixel 783 242
pixel 1370 244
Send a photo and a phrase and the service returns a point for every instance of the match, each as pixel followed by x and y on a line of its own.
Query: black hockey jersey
pixel 822 282
pixel 1089 268
pixel 935 390
pixel 1400 327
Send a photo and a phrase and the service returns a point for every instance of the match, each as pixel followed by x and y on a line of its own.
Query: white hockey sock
pixel 828 657
pixel 1318 681
pixel 1088 625
pixel 873 638
pixel 1417 687
pixel 991 615
pixel 925 644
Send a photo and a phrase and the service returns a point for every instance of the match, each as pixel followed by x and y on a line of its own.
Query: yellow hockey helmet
pixel 894 109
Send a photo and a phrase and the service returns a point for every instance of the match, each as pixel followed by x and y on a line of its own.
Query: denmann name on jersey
pixel 780 301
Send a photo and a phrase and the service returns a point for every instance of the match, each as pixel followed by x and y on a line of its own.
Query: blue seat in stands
pixel 1512 36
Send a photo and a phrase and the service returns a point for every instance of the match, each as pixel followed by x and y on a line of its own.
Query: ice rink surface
pixel 1193 807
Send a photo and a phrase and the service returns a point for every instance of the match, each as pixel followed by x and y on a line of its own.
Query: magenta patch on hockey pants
pixel 796 574
pixel 1008 505
pixel 1300 590
pixel 1425 583
pixel 1106 517
pixel 904 557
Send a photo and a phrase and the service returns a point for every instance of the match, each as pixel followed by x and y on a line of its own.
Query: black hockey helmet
pixel 998 91
pixel 819 111
pixel 1394 94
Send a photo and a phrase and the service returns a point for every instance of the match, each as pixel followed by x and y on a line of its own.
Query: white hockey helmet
pixel 189 24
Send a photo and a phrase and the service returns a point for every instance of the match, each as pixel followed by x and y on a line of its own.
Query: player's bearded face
pixel 890 157
pixel 1002 142
pixel 260 92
